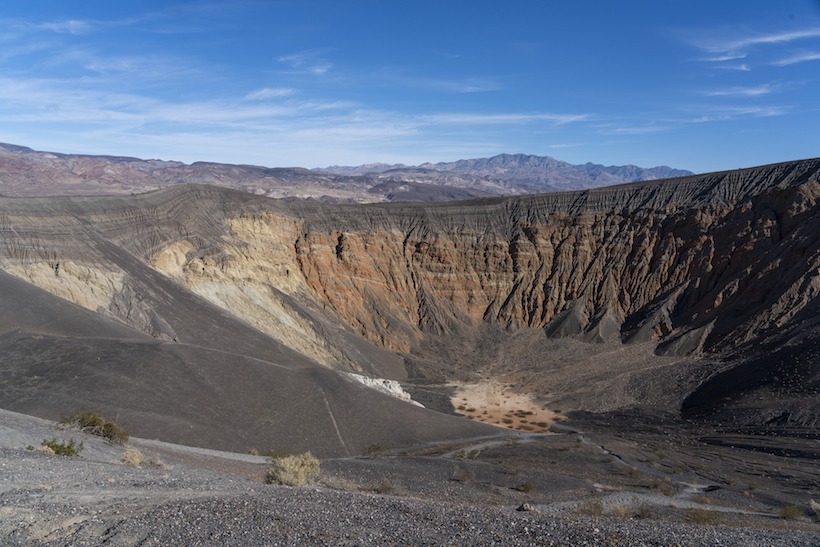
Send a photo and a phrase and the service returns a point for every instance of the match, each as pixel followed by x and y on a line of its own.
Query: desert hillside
pixel 699 280
pixel 27 172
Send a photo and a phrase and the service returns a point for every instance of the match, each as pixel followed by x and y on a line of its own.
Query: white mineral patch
pixel 390 387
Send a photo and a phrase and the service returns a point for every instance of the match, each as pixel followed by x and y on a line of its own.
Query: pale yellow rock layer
pixel 85 285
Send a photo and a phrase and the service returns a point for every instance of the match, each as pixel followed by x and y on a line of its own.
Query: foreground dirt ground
pixel 581 484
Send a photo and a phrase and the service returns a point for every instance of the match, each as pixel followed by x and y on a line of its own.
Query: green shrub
pixel 592 508
pixel 376 451
pixel 644 511
pixel 384 487
pixel 791 512
pixel 293 470
pixel 91 422
pixel 620 511
pixel 464 455
pixel 526 487
pixel 697 515
pixel 62 448
pixel 664 486
pixel 703 500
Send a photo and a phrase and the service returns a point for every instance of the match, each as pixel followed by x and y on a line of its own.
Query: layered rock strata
pixel 710 264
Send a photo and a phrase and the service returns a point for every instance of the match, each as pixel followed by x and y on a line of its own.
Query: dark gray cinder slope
pixel 58 357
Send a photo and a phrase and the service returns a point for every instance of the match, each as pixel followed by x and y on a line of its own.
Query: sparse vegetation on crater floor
pixel 296 470
pixel 91 422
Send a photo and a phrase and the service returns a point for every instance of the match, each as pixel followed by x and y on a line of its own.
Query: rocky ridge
pixel 26 172
pixel 550 174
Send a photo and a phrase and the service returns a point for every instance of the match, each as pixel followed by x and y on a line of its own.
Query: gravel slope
pixel 91 500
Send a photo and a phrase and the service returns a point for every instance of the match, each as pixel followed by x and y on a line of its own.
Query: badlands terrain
pixel 639 364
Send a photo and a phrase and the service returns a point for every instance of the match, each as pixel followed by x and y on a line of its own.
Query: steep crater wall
pixel 697 263
pixel 704 264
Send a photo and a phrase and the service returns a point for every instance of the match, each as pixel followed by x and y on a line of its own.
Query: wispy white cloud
pixel 610 129
pixel 269 93
pixel 799 58
pixel 720 58
pixel 481 119
pixel 311 61
pixel 723 50
pixel 775 38
pixel 407 80
pixel 71 26
pixel 756 91
pixel 53 101
pixel 147 126
pixel 726 113
pixel 565 145
pixel 74 27
pixel 8 52
pixel 469 85
pixel 729 46
pixel 740 68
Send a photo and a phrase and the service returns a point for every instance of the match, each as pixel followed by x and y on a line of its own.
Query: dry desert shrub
pixel 464 476
pixel 62 448
pixel 526 487
pixel 155 462
pixel 91 422
pixel 591 508
pixel 790 512
pixel 132 457
pixel 376 451
pixel 664 486
pixel 620 511
pixel 815 506
pixel 293 470
pixel 384 487
pixel 696 515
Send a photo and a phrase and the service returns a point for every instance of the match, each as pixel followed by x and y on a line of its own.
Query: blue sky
pixel 700 85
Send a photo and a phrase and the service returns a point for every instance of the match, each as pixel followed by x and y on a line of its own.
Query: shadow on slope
pixel 58 357
pixel 773 384
pixel 27 307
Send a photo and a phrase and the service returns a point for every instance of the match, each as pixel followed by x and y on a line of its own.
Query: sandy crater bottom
pixel 495 403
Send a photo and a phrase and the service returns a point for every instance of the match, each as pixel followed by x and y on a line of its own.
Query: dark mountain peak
pixel 15 148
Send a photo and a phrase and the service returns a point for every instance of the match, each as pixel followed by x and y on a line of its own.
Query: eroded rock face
pixel 707 263
pixel 719 260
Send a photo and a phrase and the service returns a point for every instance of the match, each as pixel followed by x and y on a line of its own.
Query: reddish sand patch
pixel 494 403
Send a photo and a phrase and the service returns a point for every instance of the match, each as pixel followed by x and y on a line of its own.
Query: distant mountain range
pixel 26 172
pixel 540 173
